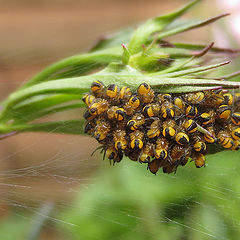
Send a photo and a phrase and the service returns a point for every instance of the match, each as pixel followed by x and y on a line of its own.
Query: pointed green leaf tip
pixel 189 26
pixel 141 34
pixel 126 54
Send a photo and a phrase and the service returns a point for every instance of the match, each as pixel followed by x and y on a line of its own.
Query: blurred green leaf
pixel 34 107
pixel 77 65
pixel 66 127
pixel 48 111
pixel 125 201
pixel 195 70
pixel 19 231
pixel 189 26
pixel 141 35
pixel 114 40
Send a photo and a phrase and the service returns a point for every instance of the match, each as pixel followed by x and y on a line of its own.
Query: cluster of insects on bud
pixel 159 129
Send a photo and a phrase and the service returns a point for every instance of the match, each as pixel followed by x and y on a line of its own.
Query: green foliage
pixel 77 65
pixel 67 126
pixel 186 26
pixel 127 202
pixel 142 34
pixel 12 228
pixel 60 87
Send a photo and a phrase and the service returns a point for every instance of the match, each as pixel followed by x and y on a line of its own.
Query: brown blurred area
pixel 37 167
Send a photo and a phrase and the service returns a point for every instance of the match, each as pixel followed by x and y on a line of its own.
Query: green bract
pixel 127 58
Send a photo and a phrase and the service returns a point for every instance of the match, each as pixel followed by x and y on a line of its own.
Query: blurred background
pixel 51 187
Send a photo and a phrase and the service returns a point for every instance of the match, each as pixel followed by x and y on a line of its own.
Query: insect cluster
pixel 161 130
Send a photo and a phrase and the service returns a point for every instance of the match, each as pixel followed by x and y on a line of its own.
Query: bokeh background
pixel 51 187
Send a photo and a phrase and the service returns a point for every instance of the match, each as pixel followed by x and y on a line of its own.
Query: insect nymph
pixel 161 130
